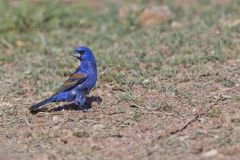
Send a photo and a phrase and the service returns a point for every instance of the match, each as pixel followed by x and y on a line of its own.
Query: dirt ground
pixel 145 128
pixel 182 110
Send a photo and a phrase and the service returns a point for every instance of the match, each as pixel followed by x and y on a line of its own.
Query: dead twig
pixel 134 105
pixel 201 112
pixel 197 115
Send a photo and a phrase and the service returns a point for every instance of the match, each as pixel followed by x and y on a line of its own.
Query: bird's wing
pixel 73 80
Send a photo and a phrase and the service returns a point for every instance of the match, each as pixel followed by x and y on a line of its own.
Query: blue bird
pixel 79 83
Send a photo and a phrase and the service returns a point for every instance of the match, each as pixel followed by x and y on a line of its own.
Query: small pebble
pixel 210 153
pixel 56 120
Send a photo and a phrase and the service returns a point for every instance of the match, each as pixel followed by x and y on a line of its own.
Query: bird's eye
pixel 82 52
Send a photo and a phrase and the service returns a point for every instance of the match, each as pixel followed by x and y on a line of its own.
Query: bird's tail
pixel 36 106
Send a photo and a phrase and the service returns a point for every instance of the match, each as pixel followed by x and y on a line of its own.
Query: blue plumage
pixel 78 84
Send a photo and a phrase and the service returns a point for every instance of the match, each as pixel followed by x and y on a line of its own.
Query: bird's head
pixel 83 54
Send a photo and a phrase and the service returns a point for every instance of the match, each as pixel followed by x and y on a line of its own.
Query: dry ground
pixel 169 91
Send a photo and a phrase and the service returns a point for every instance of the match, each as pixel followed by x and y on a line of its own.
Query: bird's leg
pixel 81 102
pixel 97 99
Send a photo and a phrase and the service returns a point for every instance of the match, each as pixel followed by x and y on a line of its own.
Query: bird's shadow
pixel 86 108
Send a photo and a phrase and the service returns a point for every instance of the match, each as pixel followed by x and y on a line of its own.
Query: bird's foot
pixel 83 107
pixel 98 100
pixel 94 99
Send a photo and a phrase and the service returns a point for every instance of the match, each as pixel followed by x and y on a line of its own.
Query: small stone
pixel 176 25
pixel 56 120
pixel 146 81
pixel 210 153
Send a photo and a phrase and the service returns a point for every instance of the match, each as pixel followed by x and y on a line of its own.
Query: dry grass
pixel 159 84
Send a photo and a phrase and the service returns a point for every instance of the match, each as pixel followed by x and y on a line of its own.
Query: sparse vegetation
pixel 152 79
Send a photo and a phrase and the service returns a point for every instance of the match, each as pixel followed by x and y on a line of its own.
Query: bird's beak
pixel 76 54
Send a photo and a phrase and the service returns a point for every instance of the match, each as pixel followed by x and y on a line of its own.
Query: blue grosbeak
pixel 78 84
